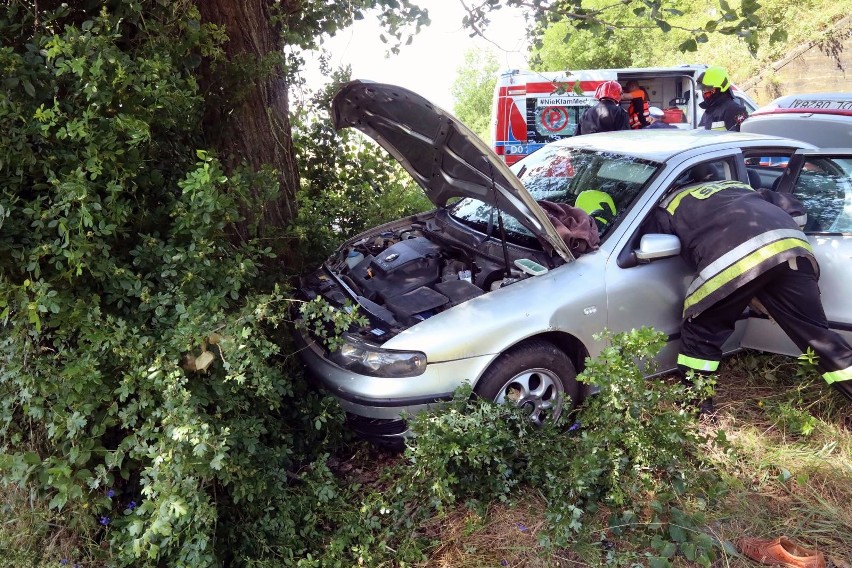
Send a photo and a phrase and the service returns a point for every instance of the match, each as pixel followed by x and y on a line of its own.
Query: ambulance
pixel 533 108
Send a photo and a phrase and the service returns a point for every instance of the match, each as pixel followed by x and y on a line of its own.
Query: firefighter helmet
pixel 608 90
pixel 715 78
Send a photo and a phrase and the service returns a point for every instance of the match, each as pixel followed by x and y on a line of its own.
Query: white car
pixel 483 290
pixel 823 119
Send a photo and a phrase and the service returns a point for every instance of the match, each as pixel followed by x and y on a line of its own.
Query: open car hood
pixel 444 156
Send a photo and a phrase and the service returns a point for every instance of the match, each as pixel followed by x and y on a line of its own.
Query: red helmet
pixel 608 90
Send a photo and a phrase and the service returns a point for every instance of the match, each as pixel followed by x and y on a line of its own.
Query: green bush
pixel 632 450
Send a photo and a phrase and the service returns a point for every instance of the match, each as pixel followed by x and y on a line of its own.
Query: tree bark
pixel 253 128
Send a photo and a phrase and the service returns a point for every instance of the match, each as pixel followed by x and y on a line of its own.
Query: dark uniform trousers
pixel 791 297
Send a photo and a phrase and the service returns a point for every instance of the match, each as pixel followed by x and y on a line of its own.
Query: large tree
pixel 248 109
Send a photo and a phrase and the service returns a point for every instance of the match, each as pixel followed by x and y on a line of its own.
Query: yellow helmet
pixel 715 77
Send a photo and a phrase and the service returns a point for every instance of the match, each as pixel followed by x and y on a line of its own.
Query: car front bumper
pixel 387 398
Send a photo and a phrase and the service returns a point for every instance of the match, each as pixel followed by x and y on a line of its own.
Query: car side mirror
pixel 653 246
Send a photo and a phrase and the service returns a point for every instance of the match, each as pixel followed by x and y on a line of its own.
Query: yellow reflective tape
pixel 697 364
pixel 702 191
pixel 741 251
pixel 741 267
pixel 837 376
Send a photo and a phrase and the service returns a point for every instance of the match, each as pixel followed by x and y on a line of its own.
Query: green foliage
pixel 147 407
pixel 473 91
pixel 139 345
pixel 631 449
pixel 350 184
pixel 327 323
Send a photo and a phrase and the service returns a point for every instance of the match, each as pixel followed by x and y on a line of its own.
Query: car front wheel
pixel 536 376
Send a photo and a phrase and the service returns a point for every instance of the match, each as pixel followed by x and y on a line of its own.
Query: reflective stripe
pixel 718 125
pixel 837 376
pixel 697 364
pixel 707 282
pixel 742 251
pixel 700 191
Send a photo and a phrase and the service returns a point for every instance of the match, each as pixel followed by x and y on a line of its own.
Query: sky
pixel 428 65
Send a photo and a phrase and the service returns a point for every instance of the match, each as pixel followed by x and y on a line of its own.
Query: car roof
pixel 824 119
pixel 661 145
pixel 831 103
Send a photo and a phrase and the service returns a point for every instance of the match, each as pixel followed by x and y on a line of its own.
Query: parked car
pixel 823 119
pixel 483 290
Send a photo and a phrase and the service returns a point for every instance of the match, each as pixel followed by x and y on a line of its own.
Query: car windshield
pixel 603 184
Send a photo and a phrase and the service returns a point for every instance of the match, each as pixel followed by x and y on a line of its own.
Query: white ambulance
pixel 533 108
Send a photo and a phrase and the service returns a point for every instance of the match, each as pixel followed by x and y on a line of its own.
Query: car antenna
pixel 499 219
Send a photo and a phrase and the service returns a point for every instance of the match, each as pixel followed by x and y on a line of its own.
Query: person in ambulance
pixel 638 105
pixel 721 110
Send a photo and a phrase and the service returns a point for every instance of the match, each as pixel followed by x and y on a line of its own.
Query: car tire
pixel 535 375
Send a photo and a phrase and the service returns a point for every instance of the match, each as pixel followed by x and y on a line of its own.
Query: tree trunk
pixel 252 125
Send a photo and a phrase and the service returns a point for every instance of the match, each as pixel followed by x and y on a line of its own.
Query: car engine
pixel 404 274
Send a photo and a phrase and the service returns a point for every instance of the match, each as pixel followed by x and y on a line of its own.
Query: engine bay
pixel 403 273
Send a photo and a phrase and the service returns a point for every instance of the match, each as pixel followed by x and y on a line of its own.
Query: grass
pixel 788 472
pixel 33 535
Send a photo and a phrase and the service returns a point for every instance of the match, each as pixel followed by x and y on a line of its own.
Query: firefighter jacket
pixel 605 116
pixel 722 112
pixel 639 110
pixel 730 234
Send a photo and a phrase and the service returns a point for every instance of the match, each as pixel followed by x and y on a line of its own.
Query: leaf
pixel 664 25
pixel 28 87
pixel 778 36
pixel 58 500
pixel 677 533
pixel 688 45
pixel 659 563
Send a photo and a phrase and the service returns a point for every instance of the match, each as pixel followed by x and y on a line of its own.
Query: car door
pixel 652 293
pixel 822 180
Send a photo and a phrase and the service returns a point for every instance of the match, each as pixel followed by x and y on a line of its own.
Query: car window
pixel 716 170
pixel 602 183
pixel 824 186
pixel 764 172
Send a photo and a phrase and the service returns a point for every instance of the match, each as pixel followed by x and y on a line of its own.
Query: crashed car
pixel 484 290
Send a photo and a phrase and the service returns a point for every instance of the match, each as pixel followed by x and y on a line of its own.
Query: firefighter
pixel 745 245
pixel 721 109
pixel 639 109
pixel 607 115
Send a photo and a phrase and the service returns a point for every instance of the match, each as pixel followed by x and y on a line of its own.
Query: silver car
pixel 483 290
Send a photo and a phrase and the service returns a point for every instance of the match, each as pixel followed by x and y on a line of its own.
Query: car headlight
pixel 368 359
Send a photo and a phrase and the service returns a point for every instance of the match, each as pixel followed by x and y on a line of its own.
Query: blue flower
pixel 63 561
pixel 110 494
pixel 521 527
pixel 104 521
pixel 132 505
pixel 574 426
pixel 503 563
